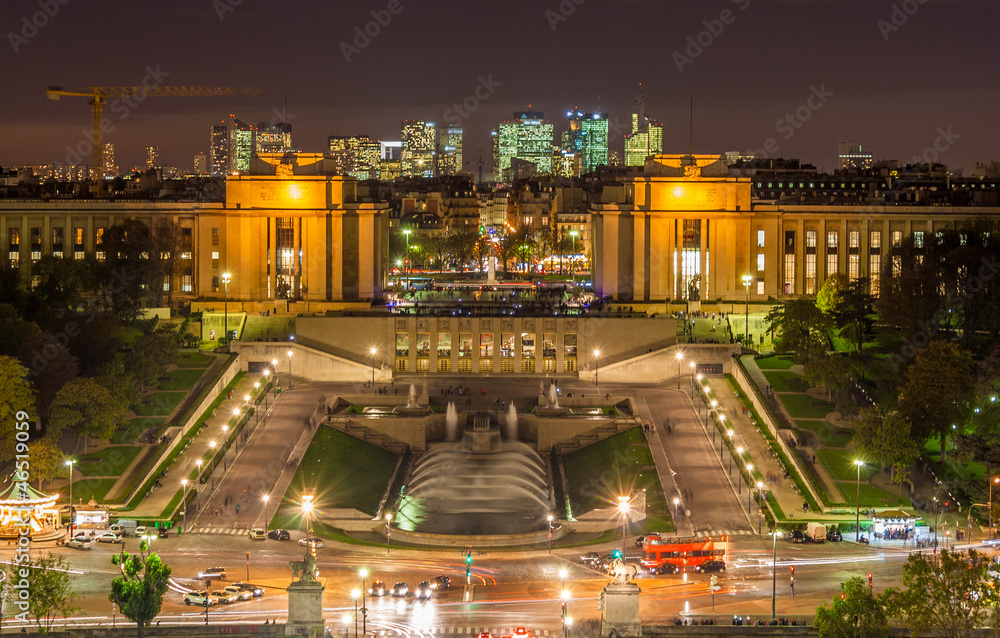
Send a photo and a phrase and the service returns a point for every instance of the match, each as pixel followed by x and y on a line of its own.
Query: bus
pixel 675 555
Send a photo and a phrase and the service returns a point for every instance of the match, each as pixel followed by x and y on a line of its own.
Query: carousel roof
pixel 894 514
pixel 22 493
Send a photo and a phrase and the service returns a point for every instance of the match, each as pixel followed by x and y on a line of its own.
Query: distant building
pixel 449 151
pixel 110 168
pixel 273 138
pixel 419 139
pixel 152 157
pixel 200 164
pixel 850 156
pixel 587 137
pixel 218 150
pixel 358 156
pixel 240 146
pixel 528 137
pixel 645 139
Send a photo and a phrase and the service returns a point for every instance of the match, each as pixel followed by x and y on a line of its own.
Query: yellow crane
pixel 100 94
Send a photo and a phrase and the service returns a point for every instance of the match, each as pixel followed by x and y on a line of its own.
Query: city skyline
pixel 863 75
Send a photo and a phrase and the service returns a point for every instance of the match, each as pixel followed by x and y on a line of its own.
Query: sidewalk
pixel 186 463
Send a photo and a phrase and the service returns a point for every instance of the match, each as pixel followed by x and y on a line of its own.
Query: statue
pixel 305 569
pixel 691 171
pixel 623 573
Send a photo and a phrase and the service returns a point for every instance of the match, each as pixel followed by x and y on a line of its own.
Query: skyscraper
pixel 110 168
pixel 587 138
pixel 358 156
pixel 152 157
pixel 240 146
pixel 449 151
pixel 528 137
pixel 645 139
pixel 273 138
pixel 419 138
pixel 850 156
pixel 200 164
pixel 218 150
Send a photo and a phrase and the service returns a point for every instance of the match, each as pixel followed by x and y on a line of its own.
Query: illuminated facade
pixel 218 150
pixel 450 159
pixel 110 168
pixel 587 138
pixel 240 147
pixel 418 138
pixel 358 156
pixel 643 141
pixel 152 157
pixel 850 155
pixel 528 137
pixel 276 138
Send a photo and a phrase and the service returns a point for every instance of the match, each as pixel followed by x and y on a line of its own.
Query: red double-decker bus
pixel 676 555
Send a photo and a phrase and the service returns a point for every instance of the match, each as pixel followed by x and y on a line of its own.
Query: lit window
pixel 760 239
pixel 760 262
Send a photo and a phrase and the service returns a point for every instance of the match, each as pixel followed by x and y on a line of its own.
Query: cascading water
pixel 553 396
pixel 412 401
pixel 511 431
pixel 451 422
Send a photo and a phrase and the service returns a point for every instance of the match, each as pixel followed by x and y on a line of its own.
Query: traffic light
pixel 841 593
pixel 791 568
pixel 468 558
pixel 870 584
pixel 616 554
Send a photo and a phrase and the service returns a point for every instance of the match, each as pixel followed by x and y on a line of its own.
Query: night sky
pixel 898 76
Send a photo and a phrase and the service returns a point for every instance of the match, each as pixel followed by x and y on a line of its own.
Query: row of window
pixel 508 345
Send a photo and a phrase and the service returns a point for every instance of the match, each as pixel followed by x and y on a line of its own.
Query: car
pixel 224 597
pixel 666 568
pixel 214 573
pixel 279 535
pixel 834 536
pixel 118 529
pixel 639 542
pixel 485 634
pixel 257 534
pixel 440 582
pixel 78 542
pixel 399 590
pixel 711 566
pixel 109 537
pixel 199 598
pixel 591 557
pixel 521 632
pixel 239 592
pixel 796 536
pixel 315 543
pixel 255 590
pixel 141 531
pixel 162 532
pixel 424 589
pixel 377 588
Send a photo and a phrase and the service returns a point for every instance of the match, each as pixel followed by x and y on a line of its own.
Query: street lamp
pixel 857 504
pixel 265 498
pixel 760 503
pixel 749 479
pixel 225 448
pixel 549 518
pixel 565 604
pixel 225 306
pixel 72 517
pixel 388 531
pixel 989 532
pixel 236 428
pixel 572 261
pixel 406 263
pixel 691 365
pixel 198 489
pixel 256 401
pixel 184 503
pixel 677 507
pixel 597 365
pixel 623 506
pixel 354 596
pixel 739 485
pixel 267 378
pixel 364 605
pixel 730 434
pixel 289 369
pixel 680 357
pixel 774 577
pixel 346 619
pixel 307 507
pixel 373 352
pixel 747 279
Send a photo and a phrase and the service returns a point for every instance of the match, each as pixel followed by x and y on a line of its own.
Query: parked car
pixel 711 566
pixel 162 532
pixel 315 543
pixel 141 531
pixel 424 590
pixel 118 529
pixel 215 573
pixel 225 597
pixel 257 534
pixel 79 543
pixel 279 535
pixel 834 536
pixel 239 592
pixel 665 568
pixel 109 537
pixel 796 536
pixel 377 588
pixel 399 590
pixel 199 598
pixel 254 590
pixel 591 558
pixel 642 539
pixel 440 582
pixel 521 632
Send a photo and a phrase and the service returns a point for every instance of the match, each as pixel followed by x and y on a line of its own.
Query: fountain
pixel 412 402
pixel 553 396
pixel 511 422
pixel 451 422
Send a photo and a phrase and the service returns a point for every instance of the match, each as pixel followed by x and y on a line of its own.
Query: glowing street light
pixel 373 351
pixel 72 509
pixel 184 485
pixel 274 366
pixel 623 507
pixel 354 596
pixel 775 535
pixel 747 279
pixel 749 479
pixel 225 305
pixel 857 505
pixel 550 518
pixel 289 369
pixel 597 364
pixel 760 499
pixel 388 531
pixel 364 605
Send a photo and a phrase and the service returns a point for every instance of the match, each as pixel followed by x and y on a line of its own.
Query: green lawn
pixel 840 465
pixel 159 403
pixel 110 461
pixel 803 406
pixel 600 472
pixel 180 379
pixel 90 488
pixel 871 496
pixel 193 360
pixel 774 362
pixel 785 381
pixel 134 428
pixel 829 435
pixel 342 472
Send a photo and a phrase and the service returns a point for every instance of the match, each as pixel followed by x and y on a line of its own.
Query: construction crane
pixel 100 94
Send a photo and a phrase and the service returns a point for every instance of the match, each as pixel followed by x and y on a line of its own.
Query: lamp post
pixel 677 507
pixel 198 489
pixel 565 604
pixel 623 506
pixel 746 282
pixel 698 377
pixel 184 503
pixel 935 526
pixel 680 357
pixel 714 404
pixel 597 365
pixel 265 498
pixel 72 517
pixel 346 619
pixel 549 518
pixel 289 369
pixel 729 433
pixel 274 366
pixel 364 605
pixel 267 378
pixel 857 504
pixel 256 400
pixel 225 304
pixel 373 352
pixel 211 445
pixel 236 428
pixel 760 504
pixel 692 366
pixel 739 484
pixel 989 532
pixel 388 531
pixel 572 262
pixel 307 507
pixel 354 596
pixel 406 262
pixel 749 483
pixel 774 577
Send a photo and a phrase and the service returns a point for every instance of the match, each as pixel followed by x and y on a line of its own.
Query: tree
pixel 951 597
pixel 139 590
pixel 50 367
pixel 86 408
pixel 7 592
pixel 47 461
pixel 884 438
pixel 463 240
pixel 859 614
pixel 52 593
pixel 167 242
pixel 439 247
pixel 60 281
pixel 853 313
pixel 151 354
pixel 832 292
pixel 938 387
pixel 802 328
pixel 17 401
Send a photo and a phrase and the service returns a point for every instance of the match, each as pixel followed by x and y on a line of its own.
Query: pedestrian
pixel 237 508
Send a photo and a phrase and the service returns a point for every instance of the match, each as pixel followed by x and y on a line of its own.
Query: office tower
pixel 273 138
pixel 587 138
pixel 110 169
pixel 850 156
pixel 418 139
pixel 336 149
pixel 527 137
pixel 240 146
pixel 645 139
pixel 365 157
pixel 200 164
pixel 218 150
pixel 152 157
pixel 449 150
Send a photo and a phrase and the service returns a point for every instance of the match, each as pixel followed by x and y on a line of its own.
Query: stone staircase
pixel 601 432
pixel 366 434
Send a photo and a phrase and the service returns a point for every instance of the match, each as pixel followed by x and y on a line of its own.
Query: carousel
pixel 18 499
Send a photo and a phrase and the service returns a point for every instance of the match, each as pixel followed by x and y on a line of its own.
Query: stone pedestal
pixel 621 610
pixel 305 609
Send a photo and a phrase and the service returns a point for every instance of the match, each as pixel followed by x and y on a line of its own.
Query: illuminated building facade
pixel 528 137
pixel 152 157
pixel 110 168
pixel 200 164
pixel 645 139
pixel 218 150
pixel 418 138
pixel 240 146
pixel 274 138
pixel 587 138
pixel 449 145
pixel 851 156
